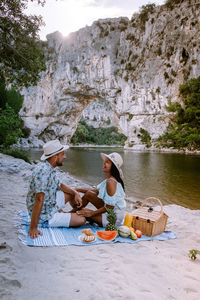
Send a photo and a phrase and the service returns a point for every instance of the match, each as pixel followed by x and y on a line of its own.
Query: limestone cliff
pixel 117 69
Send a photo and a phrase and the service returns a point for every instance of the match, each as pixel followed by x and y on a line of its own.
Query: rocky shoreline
pixel 36 143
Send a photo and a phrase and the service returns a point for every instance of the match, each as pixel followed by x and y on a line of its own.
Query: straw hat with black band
pixel 52 148
pixel 116 160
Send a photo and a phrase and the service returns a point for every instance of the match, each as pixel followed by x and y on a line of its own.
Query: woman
pixel 109 193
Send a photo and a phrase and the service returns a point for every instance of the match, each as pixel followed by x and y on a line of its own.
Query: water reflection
pixel 173 178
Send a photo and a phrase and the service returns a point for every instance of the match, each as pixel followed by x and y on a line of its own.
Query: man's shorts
pixel 120 213
pixel 60 219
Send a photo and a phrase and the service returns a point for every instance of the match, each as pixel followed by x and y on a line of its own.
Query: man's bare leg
pixel 70 198
pixel 76 220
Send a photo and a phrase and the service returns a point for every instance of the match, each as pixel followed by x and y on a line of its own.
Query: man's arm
pixel 33 231
pixel 66 189
pixel 80 190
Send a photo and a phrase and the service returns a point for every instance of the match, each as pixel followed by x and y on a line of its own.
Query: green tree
pixel 185 131
pixel 11 97
pixel 9 126
pixel 21 51
pixel 3 95
pixel 80 135
pixel 14 99
pixel 99 136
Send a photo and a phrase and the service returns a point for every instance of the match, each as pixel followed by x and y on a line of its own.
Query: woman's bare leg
pixel 97 219
pixel 91 197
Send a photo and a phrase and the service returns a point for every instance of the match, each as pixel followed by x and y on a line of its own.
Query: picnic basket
pixel 151 222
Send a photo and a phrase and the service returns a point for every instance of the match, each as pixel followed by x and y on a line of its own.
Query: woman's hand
pixel 85 212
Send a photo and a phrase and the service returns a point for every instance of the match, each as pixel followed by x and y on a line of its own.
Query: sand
pixel 147 270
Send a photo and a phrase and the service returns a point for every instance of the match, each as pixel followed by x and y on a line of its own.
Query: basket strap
pixel 152 198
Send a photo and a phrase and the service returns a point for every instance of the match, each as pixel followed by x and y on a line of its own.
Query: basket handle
pixel 156 199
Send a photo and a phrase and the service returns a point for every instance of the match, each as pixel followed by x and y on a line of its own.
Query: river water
pixel 173 178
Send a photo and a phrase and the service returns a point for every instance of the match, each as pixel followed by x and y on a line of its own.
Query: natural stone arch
pixel 116 61
pixel 65 124
pixel 68 114
pixel 100 113
pixel 58 118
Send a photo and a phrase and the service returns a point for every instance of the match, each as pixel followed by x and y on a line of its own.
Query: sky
pixel 70 15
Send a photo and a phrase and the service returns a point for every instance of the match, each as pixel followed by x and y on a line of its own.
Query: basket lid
pixel 147 214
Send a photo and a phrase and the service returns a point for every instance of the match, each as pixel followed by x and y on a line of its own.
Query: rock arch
pixel 102 62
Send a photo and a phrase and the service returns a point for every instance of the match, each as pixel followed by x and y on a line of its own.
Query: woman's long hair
pixel 115 173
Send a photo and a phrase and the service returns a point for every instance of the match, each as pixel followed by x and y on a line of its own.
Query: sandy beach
pixel 149 270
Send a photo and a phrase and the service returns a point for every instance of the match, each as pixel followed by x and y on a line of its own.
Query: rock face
pixel 133 68
pixel 99 113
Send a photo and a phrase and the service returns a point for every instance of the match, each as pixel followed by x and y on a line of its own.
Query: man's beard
pixel 59 164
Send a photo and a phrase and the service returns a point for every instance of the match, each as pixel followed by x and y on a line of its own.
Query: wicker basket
pixel 148 220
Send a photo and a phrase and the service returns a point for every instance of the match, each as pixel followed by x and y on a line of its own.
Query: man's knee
pixel 89 194
pixel 77 221
pixel 82 220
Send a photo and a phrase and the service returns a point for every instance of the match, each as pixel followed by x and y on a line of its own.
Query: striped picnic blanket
pixel 70 236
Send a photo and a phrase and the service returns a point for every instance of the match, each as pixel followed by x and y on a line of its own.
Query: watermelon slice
pixel 107 235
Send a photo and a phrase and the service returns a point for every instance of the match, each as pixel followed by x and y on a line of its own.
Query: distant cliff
pixel 116 72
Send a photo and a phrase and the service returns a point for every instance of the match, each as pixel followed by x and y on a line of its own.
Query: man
pixel 47 195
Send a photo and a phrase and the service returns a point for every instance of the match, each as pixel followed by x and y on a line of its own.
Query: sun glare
pixel 71 15
pixel 74 17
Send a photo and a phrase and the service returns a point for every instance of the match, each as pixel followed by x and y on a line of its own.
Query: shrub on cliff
pixel 145 12
pixel 145 137
pixel 99 136
pixel 171 3
pixel 185 131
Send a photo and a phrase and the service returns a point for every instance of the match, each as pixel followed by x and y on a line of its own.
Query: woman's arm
pixel 111 186
pixel 102 209
pixel 91 213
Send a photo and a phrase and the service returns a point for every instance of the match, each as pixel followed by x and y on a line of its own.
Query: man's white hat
pixel 116 159
pixel 51 148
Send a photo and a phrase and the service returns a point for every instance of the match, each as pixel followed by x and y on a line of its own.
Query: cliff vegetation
pixel 98 136
pixel 184 131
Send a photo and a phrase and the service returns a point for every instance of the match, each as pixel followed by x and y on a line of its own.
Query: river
pixel 171 177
